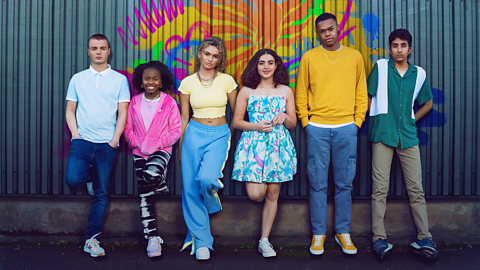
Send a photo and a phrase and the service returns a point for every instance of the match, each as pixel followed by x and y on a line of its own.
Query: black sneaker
pixel 382 248
pixel 426 248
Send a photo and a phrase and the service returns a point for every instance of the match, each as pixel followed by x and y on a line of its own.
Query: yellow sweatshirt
pixel 331 93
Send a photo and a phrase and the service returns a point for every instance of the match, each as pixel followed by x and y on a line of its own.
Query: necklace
pixel 206 84
pixel 266 90
pixel 339 51
pixel 150 101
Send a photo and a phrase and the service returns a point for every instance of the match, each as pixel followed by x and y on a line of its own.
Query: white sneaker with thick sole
pixel 92 246
pixel 203 254
pixel 154 247
pixel 266 248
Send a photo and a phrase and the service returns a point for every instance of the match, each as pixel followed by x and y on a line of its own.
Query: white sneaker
pixel 92 246
pixel 90 189
pixel 266 248
pixel 202 254
pixel 154 247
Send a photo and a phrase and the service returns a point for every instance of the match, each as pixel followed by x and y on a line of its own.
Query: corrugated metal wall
pixel 43 43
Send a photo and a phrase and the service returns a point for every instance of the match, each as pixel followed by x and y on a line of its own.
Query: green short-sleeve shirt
pixel 397 124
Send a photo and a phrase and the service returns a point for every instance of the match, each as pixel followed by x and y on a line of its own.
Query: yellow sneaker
pixel 317 244
pixel 344 240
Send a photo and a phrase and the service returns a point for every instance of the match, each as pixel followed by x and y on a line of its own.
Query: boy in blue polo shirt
pixel 393 87
pixel 97 103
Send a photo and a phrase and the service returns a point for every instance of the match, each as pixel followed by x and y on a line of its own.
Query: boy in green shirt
pixel 393 86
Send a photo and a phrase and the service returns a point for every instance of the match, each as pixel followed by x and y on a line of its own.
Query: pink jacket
pixel 164 131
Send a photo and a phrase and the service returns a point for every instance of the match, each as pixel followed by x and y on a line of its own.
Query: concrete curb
pixel 360 242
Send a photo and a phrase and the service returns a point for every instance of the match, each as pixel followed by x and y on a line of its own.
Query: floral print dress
pixel 265 157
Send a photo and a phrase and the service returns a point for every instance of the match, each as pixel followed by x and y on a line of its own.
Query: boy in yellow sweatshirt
pixel 331 102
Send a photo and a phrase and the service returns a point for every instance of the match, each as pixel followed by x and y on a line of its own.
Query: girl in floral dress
pixel 265 155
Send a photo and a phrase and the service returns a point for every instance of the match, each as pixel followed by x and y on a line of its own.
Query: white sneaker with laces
pixel 92 246
pixel 154 248
pixel 203 254
pixel 266 248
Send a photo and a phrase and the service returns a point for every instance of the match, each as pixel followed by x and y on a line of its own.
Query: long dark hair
pixel 251 78
pixel 165 73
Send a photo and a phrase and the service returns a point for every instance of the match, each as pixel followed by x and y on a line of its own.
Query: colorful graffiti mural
pixel 173 29
pixel 247 26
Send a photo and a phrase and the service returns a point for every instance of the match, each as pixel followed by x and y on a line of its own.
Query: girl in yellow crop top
pixel 205 141
pixel 208 89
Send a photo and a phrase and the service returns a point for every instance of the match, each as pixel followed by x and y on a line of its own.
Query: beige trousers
pixel 412 173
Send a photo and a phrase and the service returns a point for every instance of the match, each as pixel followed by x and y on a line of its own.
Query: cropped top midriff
pixel 208 102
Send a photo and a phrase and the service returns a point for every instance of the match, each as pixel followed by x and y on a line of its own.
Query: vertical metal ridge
pixel 43 44
pixel 3 51
pixel 9 119
pixel 477 116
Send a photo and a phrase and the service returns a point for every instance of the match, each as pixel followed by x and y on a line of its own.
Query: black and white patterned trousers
pixel 151 174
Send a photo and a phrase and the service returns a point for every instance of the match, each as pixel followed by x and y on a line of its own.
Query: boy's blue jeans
pixel 342 144
pixel 100 156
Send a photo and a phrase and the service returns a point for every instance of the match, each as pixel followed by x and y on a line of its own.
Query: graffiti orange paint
pixel 246 26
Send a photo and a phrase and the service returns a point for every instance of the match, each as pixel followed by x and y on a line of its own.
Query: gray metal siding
pixel 43 44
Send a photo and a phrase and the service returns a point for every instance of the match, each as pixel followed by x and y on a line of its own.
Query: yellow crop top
pixel 208 102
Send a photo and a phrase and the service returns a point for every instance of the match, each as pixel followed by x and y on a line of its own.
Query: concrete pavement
pixel 63 255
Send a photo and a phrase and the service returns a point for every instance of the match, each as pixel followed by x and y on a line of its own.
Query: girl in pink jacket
pixel 153 126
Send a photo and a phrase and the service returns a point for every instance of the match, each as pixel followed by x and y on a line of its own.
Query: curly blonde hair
pixel 220 45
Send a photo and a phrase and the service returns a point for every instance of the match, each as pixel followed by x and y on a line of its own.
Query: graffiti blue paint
pixel 371 24
pixel 351 40
pixel 433 119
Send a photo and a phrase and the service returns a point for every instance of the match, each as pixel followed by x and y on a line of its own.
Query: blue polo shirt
pixel 97 96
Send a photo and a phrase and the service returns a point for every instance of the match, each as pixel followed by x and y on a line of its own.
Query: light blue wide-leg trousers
pixel 204 153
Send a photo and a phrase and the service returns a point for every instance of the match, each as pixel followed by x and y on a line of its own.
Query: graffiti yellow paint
pixel 173 30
